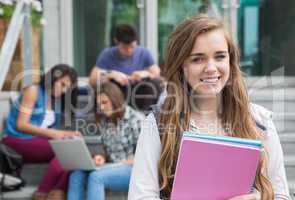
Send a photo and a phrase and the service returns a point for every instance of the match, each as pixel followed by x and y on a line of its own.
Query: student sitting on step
pixel 34 119
pixel 118 126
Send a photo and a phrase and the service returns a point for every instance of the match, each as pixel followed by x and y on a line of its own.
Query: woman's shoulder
pixel 31 88
pixel 150 130
pixel 264 117
pixel 132 113
pixel 261 114
pixel 31 92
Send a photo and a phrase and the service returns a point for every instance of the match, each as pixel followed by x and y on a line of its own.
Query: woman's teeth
pixel 210 80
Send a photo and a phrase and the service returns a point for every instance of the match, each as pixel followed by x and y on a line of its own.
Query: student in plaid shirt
pixel 119 126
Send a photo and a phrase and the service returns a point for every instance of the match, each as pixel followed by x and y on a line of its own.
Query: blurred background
pixel 76 31
pixel 264 29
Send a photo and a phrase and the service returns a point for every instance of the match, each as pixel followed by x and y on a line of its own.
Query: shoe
pixel 39 196
pixel 56 195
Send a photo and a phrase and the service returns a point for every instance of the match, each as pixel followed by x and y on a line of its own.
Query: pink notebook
pixel 213 170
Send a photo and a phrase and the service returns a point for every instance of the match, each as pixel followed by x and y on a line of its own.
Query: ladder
pixel 20 21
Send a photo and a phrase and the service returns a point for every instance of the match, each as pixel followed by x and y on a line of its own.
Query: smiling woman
pixel 205 87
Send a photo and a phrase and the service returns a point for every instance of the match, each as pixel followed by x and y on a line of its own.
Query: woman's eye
pixel 198 60
pixel 220 57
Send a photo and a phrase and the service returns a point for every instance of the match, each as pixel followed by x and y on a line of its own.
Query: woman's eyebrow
pixel 221 52
pixel 202 54
pixel 197 54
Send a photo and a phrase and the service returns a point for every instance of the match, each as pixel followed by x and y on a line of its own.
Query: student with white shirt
pixel 205 92
pixel 34 119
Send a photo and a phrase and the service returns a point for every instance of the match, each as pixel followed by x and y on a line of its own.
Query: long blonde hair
pixel 175 112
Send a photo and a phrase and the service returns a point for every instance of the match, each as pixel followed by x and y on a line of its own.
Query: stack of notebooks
pixel 212 167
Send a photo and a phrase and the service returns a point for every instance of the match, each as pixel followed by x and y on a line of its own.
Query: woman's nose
pixel 211 66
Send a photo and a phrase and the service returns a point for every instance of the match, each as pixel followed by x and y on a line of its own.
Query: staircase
pixel 278 94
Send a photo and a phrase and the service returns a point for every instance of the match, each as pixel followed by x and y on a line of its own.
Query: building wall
pixel 57 33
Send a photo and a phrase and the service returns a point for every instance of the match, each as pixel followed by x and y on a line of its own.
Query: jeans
pixel 93 184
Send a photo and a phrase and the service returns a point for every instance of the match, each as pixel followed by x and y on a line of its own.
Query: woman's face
pixel 104 104
pixel 207 69
pixel 61 85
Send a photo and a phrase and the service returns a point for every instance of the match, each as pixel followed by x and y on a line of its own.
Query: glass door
pixel 172 12
pixel 94 23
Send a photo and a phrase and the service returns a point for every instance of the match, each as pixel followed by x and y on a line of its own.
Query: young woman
pixel 33 121
pixel 205 93
pixel 118 126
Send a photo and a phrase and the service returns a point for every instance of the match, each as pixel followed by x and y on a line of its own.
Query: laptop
pixel 73 154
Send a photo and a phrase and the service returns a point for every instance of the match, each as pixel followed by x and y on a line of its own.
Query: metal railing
pixel 20 21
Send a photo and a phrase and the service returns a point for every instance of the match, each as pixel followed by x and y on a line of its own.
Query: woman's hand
pixel 61 134
pixel 99 160
pixel 252 196
pixel 128 162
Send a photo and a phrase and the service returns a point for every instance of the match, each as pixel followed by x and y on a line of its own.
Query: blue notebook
pixel 220 138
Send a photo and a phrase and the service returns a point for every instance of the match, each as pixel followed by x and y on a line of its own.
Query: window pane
pixel 94 23
pixel 172 12
pixel 266 34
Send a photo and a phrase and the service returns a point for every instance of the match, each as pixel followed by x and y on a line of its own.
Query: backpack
pixel 10 169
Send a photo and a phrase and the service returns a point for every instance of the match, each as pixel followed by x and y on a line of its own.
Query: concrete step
pixel 291 184
pixel 277 106
pixel 284 122
pixel 27 192
pixel 290 167
pixel 22 194
pixel 288 143
pixel 271 94
pixel 270 81
pixel 33 173
pixel 280 100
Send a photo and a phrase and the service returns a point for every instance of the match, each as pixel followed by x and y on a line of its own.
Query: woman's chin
pixel 207 92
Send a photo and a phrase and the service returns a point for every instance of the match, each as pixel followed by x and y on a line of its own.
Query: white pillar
pixel 58 32
pixel 230 8
pixel 234 18
pixel 151 27
pixel 51 39
pixel 66 31
pixel 141 8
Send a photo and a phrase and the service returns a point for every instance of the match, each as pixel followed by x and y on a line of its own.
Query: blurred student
pixel 34 119
pixel 119 126
pixel 128 65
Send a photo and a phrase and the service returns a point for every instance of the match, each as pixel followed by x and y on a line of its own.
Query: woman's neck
pixel 207 107
pixel 206 116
